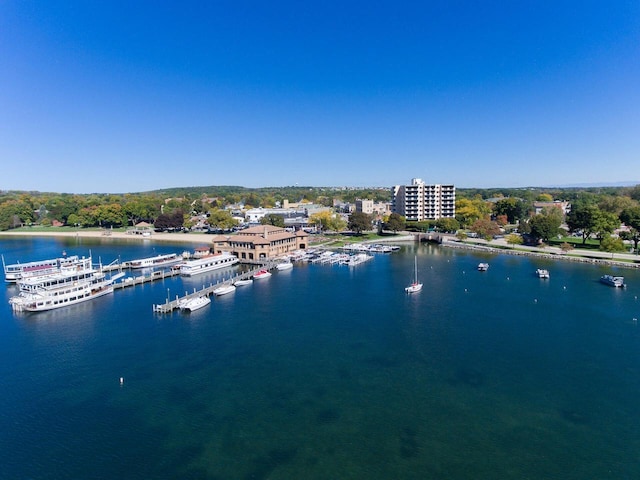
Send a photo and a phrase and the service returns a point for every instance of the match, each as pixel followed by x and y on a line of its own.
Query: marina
pixel 276 367
pixel 223 286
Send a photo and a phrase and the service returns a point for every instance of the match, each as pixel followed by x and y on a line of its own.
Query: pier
pixel 171 305
pixel 139 280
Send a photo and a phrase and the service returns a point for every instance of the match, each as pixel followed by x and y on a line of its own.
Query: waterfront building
pixel 419 201
pixel 260 243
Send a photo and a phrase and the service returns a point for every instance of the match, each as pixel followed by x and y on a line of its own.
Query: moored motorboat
pixel 284 266
pixel 195 303
pixel 240 283
pixel 224 289
pixel 613 281
pixel 483 267
pixel 260 274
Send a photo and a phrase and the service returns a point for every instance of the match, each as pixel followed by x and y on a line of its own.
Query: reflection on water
pixel 330 372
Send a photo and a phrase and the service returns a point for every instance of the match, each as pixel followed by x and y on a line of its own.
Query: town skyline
pixel 135 98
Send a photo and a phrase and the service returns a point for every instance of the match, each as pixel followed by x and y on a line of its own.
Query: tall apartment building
pixel 420 201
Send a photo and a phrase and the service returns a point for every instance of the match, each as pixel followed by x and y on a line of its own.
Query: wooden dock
pixel 139 280
pixel 171 305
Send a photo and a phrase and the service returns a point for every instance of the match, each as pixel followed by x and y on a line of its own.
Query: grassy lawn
pixel 576 242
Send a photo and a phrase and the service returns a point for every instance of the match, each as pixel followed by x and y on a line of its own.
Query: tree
pixel 631 218
pixel 170 221
pixel 544 197
pixel 273 219
pixel 321 220
pixel 450 225
pixel 582 218
pixel 485 228
pixel 327 220
pixel 514 208
pixel 359 222
pixel 616 204
pixel 111 215
pixel 611 244
pixel 566 247
pixel 514 239
pixel 468 211
pixel 395 222
pixel 221 219
pixel 546 224
pixel 605 223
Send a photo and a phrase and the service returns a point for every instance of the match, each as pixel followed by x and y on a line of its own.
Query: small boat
pixel 542 273
pixel 483 267
pixel 195 303
pixel 415 286
pixel 285 266
pixel 261 274
pixel 240 283
pixel 223 290
pixel 612 280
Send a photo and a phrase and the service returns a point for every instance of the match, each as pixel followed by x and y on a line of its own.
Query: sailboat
pixel 415 286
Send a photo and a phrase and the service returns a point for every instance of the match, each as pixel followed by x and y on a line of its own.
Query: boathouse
pixel 257 244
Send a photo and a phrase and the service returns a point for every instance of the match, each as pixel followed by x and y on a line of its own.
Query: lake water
pixel 328 372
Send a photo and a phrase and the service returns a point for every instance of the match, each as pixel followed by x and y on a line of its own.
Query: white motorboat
pixel 542 273
pixel 612 281
pixel 284 266
pixel 415 285
pixel 260 274
pixel 483 267
pixel 195 303
pixel 223 290
pixel 240 283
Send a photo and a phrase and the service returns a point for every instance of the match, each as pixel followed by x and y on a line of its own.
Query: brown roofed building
pixel 260 243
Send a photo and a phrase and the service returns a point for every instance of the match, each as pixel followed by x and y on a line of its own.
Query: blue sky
pixel 134 96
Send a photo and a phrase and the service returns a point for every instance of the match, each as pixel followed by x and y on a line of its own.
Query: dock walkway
pixel 155 275
pixel 171 305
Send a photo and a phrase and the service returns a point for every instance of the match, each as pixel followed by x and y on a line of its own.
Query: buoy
pixel 121 380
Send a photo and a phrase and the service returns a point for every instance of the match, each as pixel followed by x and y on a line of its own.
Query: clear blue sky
pixel 111 96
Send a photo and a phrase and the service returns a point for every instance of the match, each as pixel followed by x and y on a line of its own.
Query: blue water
pixel 328 372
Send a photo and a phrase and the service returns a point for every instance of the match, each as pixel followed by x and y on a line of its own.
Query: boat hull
pixel 195 304
pixel 224 290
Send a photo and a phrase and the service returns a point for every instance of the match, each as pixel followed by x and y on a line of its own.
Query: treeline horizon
pixel 18 208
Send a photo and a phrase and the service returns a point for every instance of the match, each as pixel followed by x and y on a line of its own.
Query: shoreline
pixel 550 253
pixel 192 238
pixel 581 257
